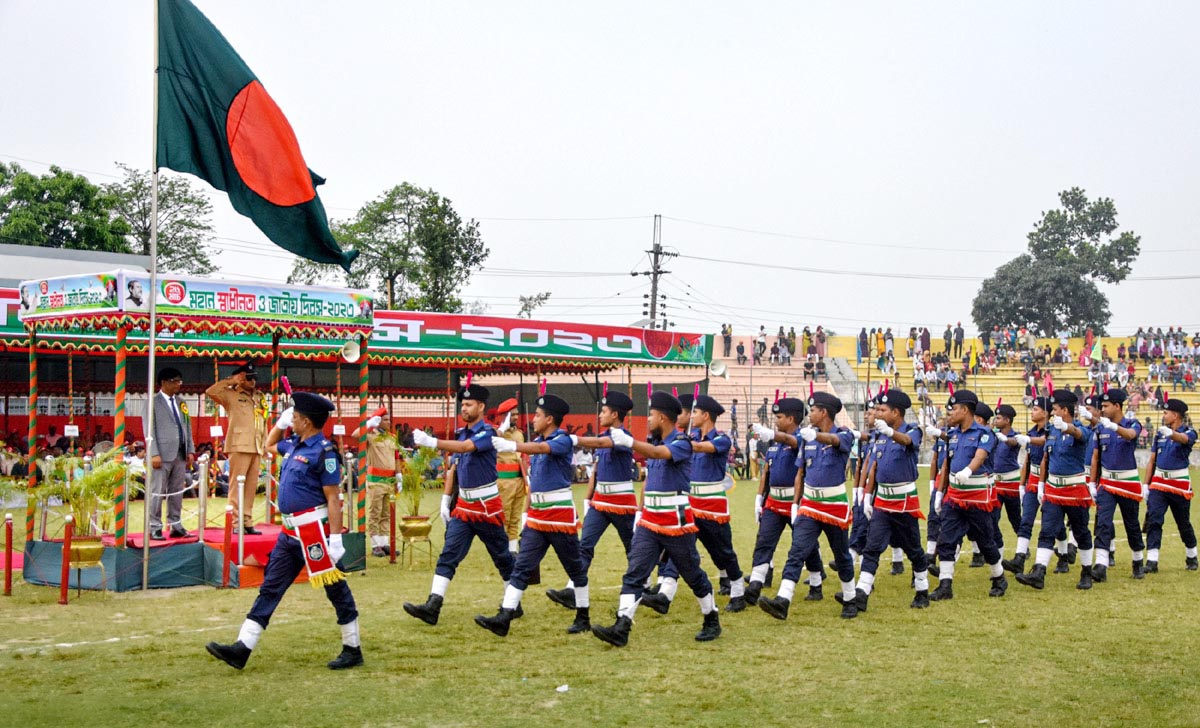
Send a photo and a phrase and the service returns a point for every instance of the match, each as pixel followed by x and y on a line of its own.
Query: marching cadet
pixel 983 417
pixel 610 499
pixel 773 504
pixel 1063 492
pixel 1171 484
pixel 963 497
pixel 383 461
pixel 551 521
pixel 938 458
pixel 478 512
pixel 866 442
pixel 710 506
pixel 1031 477
pixel 1008 472
pixel 820 505
pixel 244 440
pixel 1120 483
pixel 665 522
pixel 890 502
pixel 310 501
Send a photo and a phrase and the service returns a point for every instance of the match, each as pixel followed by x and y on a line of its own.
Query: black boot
pixel 737 604
pixel 814 594
pixel 860 599
pixel 657 602
pixel 999 586
pixel 653 589
pixel 753 590
pixel 1036 577
pixel 562 597
pixel 897 568
pixel 234 655
pixel 498 624
pixel 849 609
pixel 1016 564
pixel 1072 553
pixel 977 561
pixel 616 635
pixel 711 629
pixel 920 600
pixel 1192 563
pixel 1139 571
pixel 770 576
pixel 1099 573
pixel 1151 567
pixel 724 586
pixel 1064 565
pixel 1085 578
pixel 944 591
pixel 777 607
pixel 1112 560
pixel 350 657
pixel 427 612
pixel 582 623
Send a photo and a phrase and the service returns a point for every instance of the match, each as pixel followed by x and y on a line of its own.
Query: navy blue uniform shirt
pixel 479 467
pixel 673 475
pixel 614 464
pixel 308 467
pixel 710 467
pixel 1170 455
pixel 963 445
pixel 825 465
pixel 1116 453
pixel 897 463
pixel 552 470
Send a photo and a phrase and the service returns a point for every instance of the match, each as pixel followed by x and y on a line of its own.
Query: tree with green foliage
pixel 530 303
pixel 1053 287
pixel 415 251
pixel 184 225
pixel 59 210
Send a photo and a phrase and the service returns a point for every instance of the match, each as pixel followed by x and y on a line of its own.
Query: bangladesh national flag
pixel 217 121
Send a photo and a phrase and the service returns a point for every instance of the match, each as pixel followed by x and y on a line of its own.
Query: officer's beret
pixel 476 392
pixel 826 401
pixel 704 403
pixel 895 398
pixel 618 401
pixel 963 397
pixel 1091 400
pixel 984 411
pixel 789 406
pixel 1041 403
pixel 665 403
pixel 507 405
pixel 1064 397
pixel 685 400
pixel 1007 410
pixel 1176 405
pixel 1116 396
pixel 554 406
pixel 247 369
pixel 313 406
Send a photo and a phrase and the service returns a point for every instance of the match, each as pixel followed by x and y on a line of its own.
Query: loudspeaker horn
pixel 719 369
pixel 351 351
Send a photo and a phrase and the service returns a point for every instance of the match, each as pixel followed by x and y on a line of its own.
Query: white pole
pixel 149 418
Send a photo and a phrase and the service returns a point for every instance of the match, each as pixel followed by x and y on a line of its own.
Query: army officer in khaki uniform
pixel 243 437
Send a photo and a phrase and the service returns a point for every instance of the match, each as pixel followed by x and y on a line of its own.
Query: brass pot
pixel 415 528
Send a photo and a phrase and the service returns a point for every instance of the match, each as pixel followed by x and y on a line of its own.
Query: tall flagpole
pixel 149 417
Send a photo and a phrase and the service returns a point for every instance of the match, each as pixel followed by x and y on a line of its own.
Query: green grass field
pixel 1124 653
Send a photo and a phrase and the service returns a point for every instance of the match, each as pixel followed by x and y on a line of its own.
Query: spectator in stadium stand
pixel 791 339
pixel 775 353
pixel 762 412
pixel 741 353
pixel 910 342
pixel 863 345
pixel 810 368
pixel 760 346
pixel 958 339
pixel 785 355
pixel 986 337
pixel 820 339
pixel 727 337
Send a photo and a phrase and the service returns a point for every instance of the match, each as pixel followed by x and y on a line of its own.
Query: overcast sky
pixel 880 137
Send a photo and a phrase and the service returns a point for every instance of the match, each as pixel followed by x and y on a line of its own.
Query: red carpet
pixel 18 559
pixel 257 548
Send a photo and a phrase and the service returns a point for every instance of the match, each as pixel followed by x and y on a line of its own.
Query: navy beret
pixel 555 406
pixel 707 404
pixel 895 399
pixel 789 406
pixel 826 401
pixel 476 392
pixel 618 401
pixel 665 403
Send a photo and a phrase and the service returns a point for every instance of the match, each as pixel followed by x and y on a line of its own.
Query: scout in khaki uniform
pixel 510 475
pixel 383 462
pixel 243 437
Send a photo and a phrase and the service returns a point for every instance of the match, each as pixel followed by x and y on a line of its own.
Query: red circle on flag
pixel 265 150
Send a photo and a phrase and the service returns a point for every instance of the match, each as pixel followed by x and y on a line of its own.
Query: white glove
pixel 1023 440
pixel 964 473
pixel 1145 491
pixel 795 511
pixel 1108 424
pixel 857 435
pixel 1092 489
pixel 574 441
pixel 285 419
pixel 620 438
pixel 424 439
pixel 758 507
pixel 637 516
pixel 882 428
pixel 1085 414
pixel 808 434
pixel 1165 431
pixel 507 423
pixel 372 423
pixel 587 506
pixel 1059 423
pixel 1131 415
pixel 933 432
pixel 1002 437
pixel 937 500
pixel 524 518
pixel 499 444
pixel 858 496
pixel 766 434
pixel 336 549
pixel 1041 492
pixel 445 510
pixel 868 505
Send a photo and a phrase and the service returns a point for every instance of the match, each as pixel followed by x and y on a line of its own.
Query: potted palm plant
pixel 412 487
pixel 89 492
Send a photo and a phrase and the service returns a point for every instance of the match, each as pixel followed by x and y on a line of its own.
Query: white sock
pixel 921 580
pixel 1191 553
pixel 707 603
pixel 897 554
pixel 787 589
pixel 439 585
pixel 1085 557
pixel 996 569
pixel 723 574
pixel 853 555
pixel 512 597
pixel 649 583
pixel 1152 555
pixel 759 573
pixel 249 633
pixel 1061 547
pixel 570 584
pixel 814 579
pixel 627 606
pixel 847 590
pixel 974 548
pixel 660 581
pixel 1071 538
pixel 737 588
pixel 583 597
pixel 1101 557
pixel 1022 545
pixel 957 551
pixel 1137 555
pixel 378 541
pixel 514 545
pixel 930 548
pixel 945 570
pixel 866 582
pixel 350 634
pixel 1043 556
pixel 668 588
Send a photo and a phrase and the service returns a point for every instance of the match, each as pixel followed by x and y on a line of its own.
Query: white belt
pixel 1012 476
pixel 708 489
pixel 1035 469
pixel 1120 474
pixel 614 488
pixel 1063 481
pixel 896 489
pixel 972 480
pixel 551 496
pixel 784 494
pixel 478 493
pixel 1182 474
pixel 824 492
pixel 666 500
pixel 313 516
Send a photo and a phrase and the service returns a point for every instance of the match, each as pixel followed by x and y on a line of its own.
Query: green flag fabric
pixel 217 121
